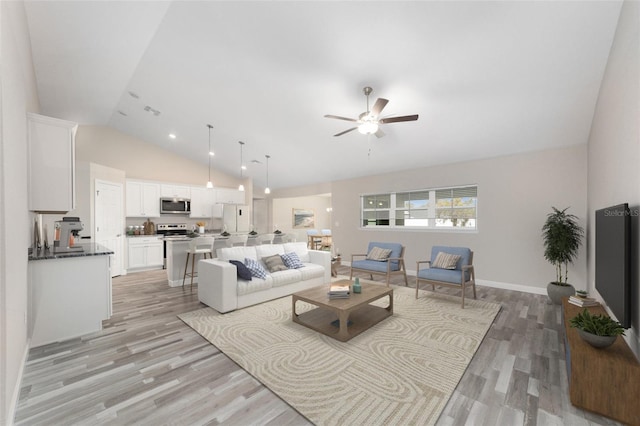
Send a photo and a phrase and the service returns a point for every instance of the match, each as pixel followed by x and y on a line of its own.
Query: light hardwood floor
pixel 147 367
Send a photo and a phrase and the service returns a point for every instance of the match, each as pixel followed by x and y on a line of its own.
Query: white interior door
pixel 109 221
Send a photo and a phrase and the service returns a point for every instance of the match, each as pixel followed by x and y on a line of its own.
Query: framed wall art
pixel 304 218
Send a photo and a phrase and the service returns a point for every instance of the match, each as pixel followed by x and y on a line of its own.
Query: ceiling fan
pixel 368 121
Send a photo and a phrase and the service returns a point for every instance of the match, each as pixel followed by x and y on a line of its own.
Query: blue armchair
pixel 448 270
pixel 392 263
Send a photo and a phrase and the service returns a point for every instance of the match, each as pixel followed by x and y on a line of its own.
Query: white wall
pixel 18 95
pixel 137 159
pixel 283 213
pixel 143 160
pixel 614 147
pixel 515 194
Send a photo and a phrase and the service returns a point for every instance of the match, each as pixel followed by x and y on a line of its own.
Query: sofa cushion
pixel 256 268
pixel 291 260
pixel 265 250
pixel 236 253
pixel 288 276
pixel 299 248
pixel 242 271
pixel 274 263
pixel 446 260
pixel 311 270
pixel 257 284
pixel 374 265
pixel 378 254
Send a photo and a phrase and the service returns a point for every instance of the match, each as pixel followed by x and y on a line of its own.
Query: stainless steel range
pixel 170 231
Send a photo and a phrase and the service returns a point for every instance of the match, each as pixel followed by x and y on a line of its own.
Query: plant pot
pixel 556 292
pixel 595 340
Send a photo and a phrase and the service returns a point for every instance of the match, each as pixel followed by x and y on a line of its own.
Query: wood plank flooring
pixel 146 367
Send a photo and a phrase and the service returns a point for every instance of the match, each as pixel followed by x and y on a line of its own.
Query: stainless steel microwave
pixel 175 206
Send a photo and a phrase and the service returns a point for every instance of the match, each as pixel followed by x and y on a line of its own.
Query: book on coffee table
pixel 337 291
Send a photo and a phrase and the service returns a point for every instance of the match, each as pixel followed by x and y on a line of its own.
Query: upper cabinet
pixel 202 201
pixel 143 199
pixel 229 196
pixel 51 167
pixel 175 191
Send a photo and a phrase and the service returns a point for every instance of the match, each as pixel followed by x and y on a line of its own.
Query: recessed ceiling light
pixel 172 136
pixel 211 153
pixel 152 110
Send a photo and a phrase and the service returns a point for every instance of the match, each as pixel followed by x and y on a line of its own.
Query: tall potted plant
pixel 562 237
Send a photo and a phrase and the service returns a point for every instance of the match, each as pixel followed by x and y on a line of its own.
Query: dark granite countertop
pixel 90 249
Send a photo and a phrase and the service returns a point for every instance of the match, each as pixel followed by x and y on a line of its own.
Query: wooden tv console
pixel 605 381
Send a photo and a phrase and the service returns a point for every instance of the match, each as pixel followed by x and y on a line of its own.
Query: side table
pixel 335 262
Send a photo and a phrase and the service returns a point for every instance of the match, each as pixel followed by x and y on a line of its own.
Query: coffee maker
pixel 66 231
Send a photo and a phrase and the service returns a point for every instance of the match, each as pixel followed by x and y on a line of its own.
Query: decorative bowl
pixel 596 341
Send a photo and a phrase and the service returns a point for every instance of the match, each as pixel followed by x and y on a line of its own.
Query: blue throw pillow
pixel 243 272
pixel 256 268
pixel 291 260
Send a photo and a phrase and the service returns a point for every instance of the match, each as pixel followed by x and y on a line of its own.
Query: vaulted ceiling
pixel 486 78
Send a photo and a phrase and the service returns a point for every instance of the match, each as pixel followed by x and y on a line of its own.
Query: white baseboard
pixel 494 284
pixel 514 287
pixel 15 396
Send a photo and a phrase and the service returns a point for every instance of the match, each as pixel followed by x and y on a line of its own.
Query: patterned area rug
pixel 401 371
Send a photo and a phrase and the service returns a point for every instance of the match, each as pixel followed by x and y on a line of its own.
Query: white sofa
pixel 220 287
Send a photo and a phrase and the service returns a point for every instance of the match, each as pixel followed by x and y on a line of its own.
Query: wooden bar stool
pixel 198 245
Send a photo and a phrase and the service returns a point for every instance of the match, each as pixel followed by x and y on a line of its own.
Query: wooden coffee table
pixel 342 319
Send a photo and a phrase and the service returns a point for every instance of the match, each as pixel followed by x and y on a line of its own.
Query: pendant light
pixel 266 189
pixel 241 187
pixel 209 182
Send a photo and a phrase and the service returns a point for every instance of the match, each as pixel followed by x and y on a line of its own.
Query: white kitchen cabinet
pixel 70 297
pixel 175 191
pixel 202 201
pixel 144 253
pixel 229 196
pixel 143 199
pixel 51 164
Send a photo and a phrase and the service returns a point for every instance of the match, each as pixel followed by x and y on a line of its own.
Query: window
pixel 412 208
pixel 375 210
pixel 442 208
pixel 456 207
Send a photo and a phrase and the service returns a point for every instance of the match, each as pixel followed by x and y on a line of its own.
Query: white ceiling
pixel 486 78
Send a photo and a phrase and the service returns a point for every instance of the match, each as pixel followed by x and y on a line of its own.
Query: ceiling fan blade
pixel 398 119
pixel 346 131
pixel 379 133
pixel 341 118
pixel 379 106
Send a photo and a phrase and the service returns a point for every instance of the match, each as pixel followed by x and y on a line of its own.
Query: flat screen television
pixel 613 260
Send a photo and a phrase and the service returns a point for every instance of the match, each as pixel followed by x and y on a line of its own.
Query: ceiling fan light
pixel 368 128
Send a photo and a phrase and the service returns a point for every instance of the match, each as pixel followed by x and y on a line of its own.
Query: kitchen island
pixel 177 257
pixel 70 293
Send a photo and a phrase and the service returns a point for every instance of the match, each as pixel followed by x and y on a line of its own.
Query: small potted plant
pixel 582 293
pixel 599 331
pixel 562 236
